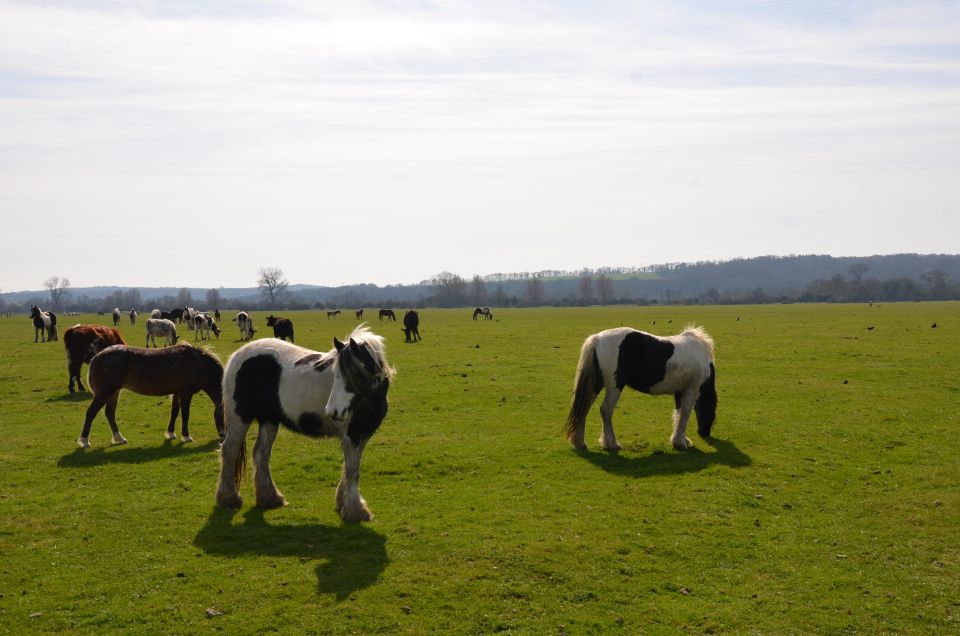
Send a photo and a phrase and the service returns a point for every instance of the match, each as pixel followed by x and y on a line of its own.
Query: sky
pixel 191 143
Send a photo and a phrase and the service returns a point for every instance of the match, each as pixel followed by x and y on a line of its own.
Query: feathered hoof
pixel 83 442
pixel 682 444
pixel 231 500
pixel 611 448
pixel 119 439
pixel 170 435
pixel 269 503
pixel 356 513
pixel 186 438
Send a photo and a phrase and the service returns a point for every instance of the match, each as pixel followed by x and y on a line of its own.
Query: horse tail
pixel 587 382
pixel 706 405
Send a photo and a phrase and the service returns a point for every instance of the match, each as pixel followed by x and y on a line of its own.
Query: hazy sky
pixel 190 143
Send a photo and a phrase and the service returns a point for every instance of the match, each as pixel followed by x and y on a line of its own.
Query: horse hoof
pixel 170 435
pixel 187 438
pixel 119 439
pixel 229 501
pixel 356 515
pixel 271 503
pixel 83 442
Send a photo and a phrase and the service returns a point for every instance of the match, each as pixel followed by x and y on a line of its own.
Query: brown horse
pixel 82 342
pixel 181 370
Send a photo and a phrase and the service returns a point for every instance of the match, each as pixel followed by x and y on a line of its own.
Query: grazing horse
pixel 133 316
pixel 161 327
pixel 189 313
pixel 282 327
pixel 333 314
pixel 340 393
pixel 180 371
pixel 411 326
pixel 203 324
pixel 681 365
pixel 44 324
pixel 245 323
pixel 156 313
pixel 82 342
pixel 483 311
pixel 359 314
pixel 116 316
pixel 388 314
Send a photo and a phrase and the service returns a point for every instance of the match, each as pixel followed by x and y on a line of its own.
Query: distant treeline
pixel 766 279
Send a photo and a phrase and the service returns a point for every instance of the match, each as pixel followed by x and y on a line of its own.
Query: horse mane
pixel 362 335
pixel 698 332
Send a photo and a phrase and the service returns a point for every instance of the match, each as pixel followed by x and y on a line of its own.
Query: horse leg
pixel 350 503
pixel 266 491
pixel 84 440
pixel 185 414
pixel 111 412
pixel 608 441
pixel 681 415
pixel 232 461
pixel 174 412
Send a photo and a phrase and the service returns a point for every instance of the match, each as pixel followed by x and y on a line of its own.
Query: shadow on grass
pixel 353 555
pixel 85 458
pixel 661 463
pixel 79 396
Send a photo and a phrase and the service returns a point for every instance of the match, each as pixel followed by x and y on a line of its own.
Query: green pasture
pixel 828 501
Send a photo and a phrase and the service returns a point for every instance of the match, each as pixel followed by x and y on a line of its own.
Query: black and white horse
pixel 340 393
pixel 680 365
pixel 203 324
pixel 116 316
pixel 162 327
pixel 44 324
pixel 133 316
pixel 483 311
pixel 245 324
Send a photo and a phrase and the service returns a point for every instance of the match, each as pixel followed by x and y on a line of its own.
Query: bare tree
pixel 479 289
pixel 500 296
pixel 857 271
pixel 213 299
pixel 586 286
pixel 272 285
pixel 535 290
pixel 449 289
pixel 184 297
pixel 605 288
pixel 58 288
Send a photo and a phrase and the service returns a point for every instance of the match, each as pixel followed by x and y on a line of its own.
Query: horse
pixel 156 313
pixel 359 313
pixel 282 327
pixel 82 342
pixel 483 311
pixel 388 314
pixel 133 316
pixel 340 393
pixel 245 323
pixel 216 315
pixel 180 371
pixel 176 315
pixel 189 313
pixel 411 325
pixel 203 324
pixel 333 314
pixel 682 365
pixel 116 316
pixel 161 327
pixel 44 324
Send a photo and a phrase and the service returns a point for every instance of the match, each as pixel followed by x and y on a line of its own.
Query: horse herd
pixel 342 392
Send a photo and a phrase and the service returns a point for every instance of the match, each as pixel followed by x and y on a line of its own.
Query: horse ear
pixel 339 345
pixel 354 346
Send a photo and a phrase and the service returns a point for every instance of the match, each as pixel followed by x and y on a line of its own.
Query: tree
pixel 939 283
pixel 272 286
pixel 585 286
pixel 449 289
pixel 500 296
pixel 535 290
pixel 479 289
pixel 857 271
pixel 58 288
pixel 605 288
pixel 184 297
pixel 213 299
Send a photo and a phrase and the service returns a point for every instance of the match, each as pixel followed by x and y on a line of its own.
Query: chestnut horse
pixel 82 342
pixel 181 370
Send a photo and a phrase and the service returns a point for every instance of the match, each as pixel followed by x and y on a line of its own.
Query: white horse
pixel 340 393
pixel 161 327
pixel 156 314
pixel 116 316
pixel 680 365
pixel 245 323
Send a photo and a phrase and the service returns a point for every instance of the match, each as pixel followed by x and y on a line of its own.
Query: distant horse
pixel 681 365
pixel 181 371
pixel 483 311
pixel 44 324
pixel 359 314
pixel 282 327
pixel 203 324
pixel 411 325
pixel 175 315
pixel 341 393
pixel 82 342
pixel 116 316
pixel 388 314
pixel 133 316
pixel 161 327
pixel 245 324
pixel 216 315
pixel 333 314
pixel 189 313
pixel 156 313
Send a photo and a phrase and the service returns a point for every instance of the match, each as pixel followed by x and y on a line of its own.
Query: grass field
pixel 828 502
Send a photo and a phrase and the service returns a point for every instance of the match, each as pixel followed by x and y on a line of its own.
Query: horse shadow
pixel 352 555
pixel 79 396
pixel 662 463
pixel 86 458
